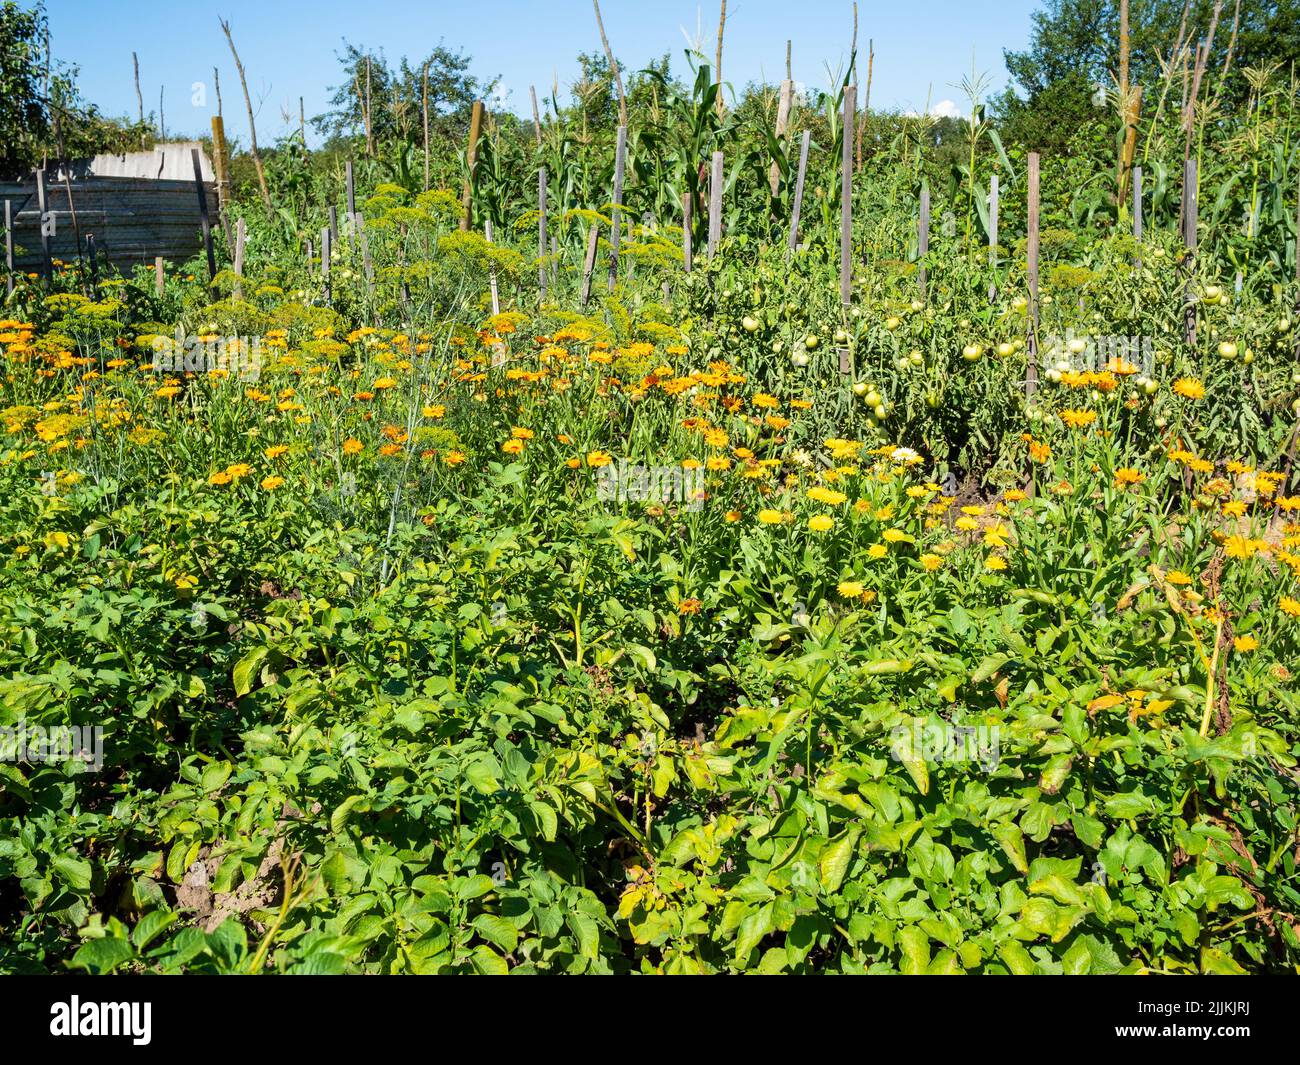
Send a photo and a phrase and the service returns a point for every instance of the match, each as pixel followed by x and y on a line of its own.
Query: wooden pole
pixel 9 248
pixel 798 193
pixel 687 221
pixel 326 253
pixel 1137 203
pixel 1190 211
pixel 91 259
pixel 46 265
pixel 471 157
pixel 159 277
pixel 616 215
pixel 846 195
pixel 782 124
pixel 352 196
pixel 993 236
pixel 715 205
pixel 424 107
pixel 334 223
pixel 541 232
pixel 203 213
pixel 589 263
pixel 537 117
pixel 1031 371
pixel 923 237
pixel 492 273
pixel 241 232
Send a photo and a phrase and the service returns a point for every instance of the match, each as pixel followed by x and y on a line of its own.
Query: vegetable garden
pixel 702 542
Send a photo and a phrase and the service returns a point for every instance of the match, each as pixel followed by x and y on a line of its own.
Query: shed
pixel 138 206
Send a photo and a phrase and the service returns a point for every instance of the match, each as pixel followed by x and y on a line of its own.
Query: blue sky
pixel 923 49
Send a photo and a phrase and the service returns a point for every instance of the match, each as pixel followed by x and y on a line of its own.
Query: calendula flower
pixel 1289 606
pixel 822 494
pixel 521 434
pixel 1239 547
pixel 352 446
pixel 220 477
pixel 513 446
pixel 732 516
pixel 453 458
pixel 931 561
pixel 850 589
pixel 877 551
pixel 995 562
pixel 770 517
pixel 1127 475
pixel 689 606
pixel 276 450
pixel 821 523
pixel 1245 644
pixel 1177 576
pixel 1189 388
pixel 598 458
pixel 270 484
pixel 1078 419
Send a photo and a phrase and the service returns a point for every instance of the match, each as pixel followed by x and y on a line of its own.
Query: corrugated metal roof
pixel 170 162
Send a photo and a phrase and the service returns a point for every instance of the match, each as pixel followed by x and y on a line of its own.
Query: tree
pixel 1074 47
pixel 24 116
pixel 388 102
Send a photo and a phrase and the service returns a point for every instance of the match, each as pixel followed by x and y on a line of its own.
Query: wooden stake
pixel 620 165
pixel 589 263
pixel 1190 211
pixel 424 97
pixel 993 236
pixel 252 127
pixel 782 124
pixel 798 193
pixel 9 248
pixel 846 195
pixel 715 205
pixel 203 213
pixel 923 237
pixel 537 117
pixel 158 275
pixel 43 208
pixel 241 232
pixel 326 253
pixel 541 232
pixel 471 157
pixel 688 254
pixel 1031 371
pixel 492 273
pixel 1137 203
pixel 352 196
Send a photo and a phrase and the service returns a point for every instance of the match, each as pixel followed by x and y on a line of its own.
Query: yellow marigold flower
pixel 896 536
pixel 1245 644
pixel 877 551
pixel 1127 475
pixel 1189 388
pixel 453 458
pixel 270 484
pixel 689 606
pixel 389 450
pixel 822 494
pixel 1015 495
pixel 1239 547
pixel 220 477
pixel 967 524
pixel 598 458
pixel 573 464
pixel 719 463
pixel 1177 576
pixel 513 446
pixel 276 450
pixel 435 411
pixel 238 470
pixel 821 523
pixel 1078 419
pixel 732 516
pixel 762 399
pixel 521 434
pixel 931 562
pixel 770 517
pixel 1289 606
pixel 353 446
pixel 850 589
pixel 995 562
